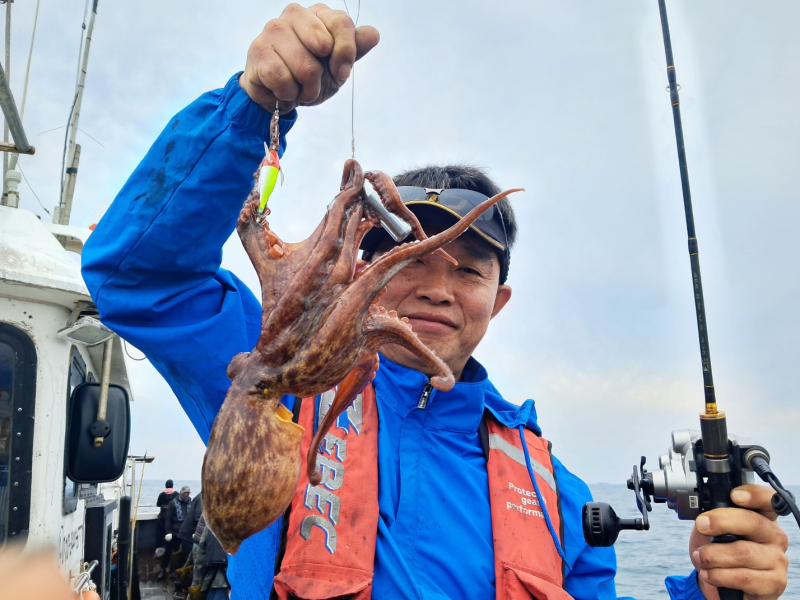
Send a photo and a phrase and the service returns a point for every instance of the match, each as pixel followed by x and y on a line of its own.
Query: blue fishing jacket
pixel 158 283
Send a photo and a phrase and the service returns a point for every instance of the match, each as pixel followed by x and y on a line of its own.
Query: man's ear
pixel 501 299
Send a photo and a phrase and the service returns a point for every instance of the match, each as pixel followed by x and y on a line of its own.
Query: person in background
pixel 177 512
pixel 164 498
pixel 198 532
pixel 190 523
pixel 196 537
pixel 210 569
pixel 186 537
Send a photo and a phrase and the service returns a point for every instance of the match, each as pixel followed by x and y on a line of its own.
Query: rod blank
pixel 700 308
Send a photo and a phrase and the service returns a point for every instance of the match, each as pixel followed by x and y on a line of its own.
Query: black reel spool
pixel 601 525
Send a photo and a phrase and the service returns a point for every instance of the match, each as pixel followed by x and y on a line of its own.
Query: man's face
pixel 184 496
pixel 449 307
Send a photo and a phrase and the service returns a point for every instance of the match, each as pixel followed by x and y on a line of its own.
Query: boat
pixel 66 477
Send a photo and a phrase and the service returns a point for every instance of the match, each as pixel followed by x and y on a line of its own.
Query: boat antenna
pixel 71 155
pixel 12 163
pixel 12 125
pixel 8 76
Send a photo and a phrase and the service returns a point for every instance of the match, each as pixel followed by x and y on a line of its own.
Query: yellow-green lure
pixel 268 177
pixel 270 166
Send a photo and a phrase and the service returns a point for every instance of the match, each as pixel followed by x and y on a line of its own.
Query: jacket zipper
pixel 426 395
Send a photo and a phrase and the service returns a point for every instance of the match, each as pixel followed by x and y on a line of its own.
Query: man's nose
pixel 435 286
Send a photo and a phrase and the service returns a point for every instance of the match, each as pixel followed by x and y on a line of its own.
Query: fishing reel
pixel 688 482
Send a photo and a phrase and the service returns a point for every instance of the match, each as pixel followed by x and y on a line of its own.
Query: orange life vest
pixel 330 530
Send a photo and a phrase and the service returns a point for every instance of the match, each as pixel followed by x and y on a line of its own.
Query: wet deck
pixel 149 586
pixel 148 566
pixel 156 592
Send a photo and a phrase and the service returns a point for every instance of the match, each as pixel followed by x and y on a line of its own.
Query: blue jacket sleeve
pixel 684 588
pixel 152 264
pixel 591 571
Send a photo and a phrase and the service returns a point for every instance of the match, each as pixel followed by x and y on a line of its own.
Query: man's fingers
pixel 288 65
pixel 745 523
pixel 309 29
pixel 341 27
pixel 32 576
pixel 743 554
pixel 305 72
pixel 303 57
pixel 755 497
pixel 757 564
pixel 366 39
pixel 753 583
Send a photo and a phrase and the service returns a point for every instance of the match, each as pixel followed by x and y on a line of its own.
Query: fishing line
pixel 18 166
pixel 353 88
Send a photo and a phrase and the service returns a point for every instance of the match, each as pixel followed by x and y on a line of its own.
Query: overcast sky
pixel 566 99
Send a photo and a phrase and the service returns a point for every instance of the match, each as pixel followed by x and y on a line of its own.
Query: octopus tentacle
pixel 249 232
pixel 331 247
pixel 386 189
pixel 350 387
pixel 384 327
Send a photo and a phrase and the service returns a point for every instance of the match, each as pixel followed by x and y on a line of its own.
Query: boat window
pixel 17 405
pixel 77 376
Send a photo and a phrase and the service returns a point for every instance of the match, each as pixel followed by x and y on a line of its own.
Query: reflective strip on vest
pixel 516 454
pixel 330 554
pixel 527 563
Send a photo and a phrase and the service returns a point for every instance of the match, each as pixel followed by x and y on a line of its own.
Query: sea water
pixel 644 558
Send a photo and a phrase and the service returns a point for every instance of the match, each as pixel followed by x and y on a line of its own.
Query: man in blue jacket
pixel 165 292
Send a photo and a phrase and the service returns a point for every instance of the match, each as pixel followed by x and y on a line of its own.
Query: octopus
pixel 321 328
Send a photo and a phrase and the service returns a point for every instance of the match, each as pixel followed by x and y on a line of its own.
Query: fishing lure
pixel 270 166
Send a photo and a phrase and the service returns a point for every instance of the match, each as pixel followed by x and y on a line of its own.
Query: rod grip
pixel 727 593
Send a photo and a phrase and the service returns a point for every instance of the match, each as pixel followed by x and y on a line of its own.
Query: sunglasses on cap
pixel 489 225
pixel 458 203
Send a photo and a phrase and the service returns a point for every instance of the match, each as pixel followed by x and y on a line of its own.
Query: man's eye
pixel 469 271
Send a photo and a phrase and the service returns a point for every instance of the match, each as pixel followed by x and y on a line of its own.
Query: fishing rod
pixel 702 467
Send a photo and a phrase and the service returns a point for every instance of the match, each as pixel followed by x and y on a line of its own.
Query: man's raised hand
pixel 756 564
pixel 303 57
